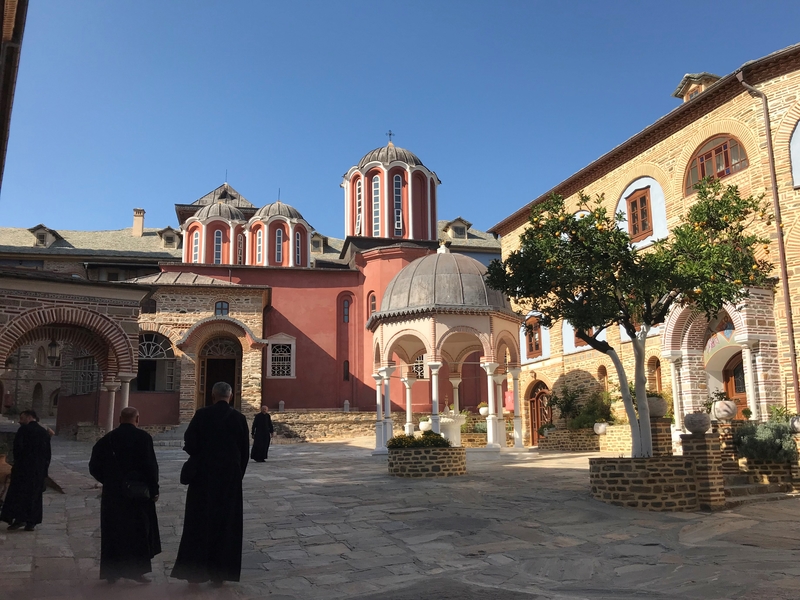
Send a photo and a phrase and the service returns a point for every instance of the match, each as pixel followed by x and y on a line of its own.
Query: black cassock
pixel 262 430
pixel 129 535
pixel 211 544
pixel 28 473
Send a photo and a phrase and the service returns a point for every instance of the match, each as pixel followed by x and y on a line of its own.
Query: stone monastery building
pixel 742 129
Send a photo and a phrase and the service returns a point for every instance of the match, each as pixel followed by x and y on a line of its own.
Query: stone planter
pixel 600 428
pixel 484 410
pixel 724 410
pixel 794 423
pixel 697 423
pixel 427 462
pixel 450 425
pixel 425 425
pixel 658 406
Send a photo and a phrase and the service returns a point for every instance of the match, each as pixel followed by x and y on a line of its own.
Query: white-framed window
pixel 156 368
pixel 240 249
pixel 398 205
pixel 359 206
pixel 196 247
pixel 259 245
pixel 218 247
pixel 41 239
pixel 298 255
pixel 376 206
pixel 281 357
pixel 279 245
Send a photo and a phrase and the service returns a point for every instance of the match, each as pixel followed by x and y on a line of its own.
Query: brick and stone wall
pixel 767 472
pixel 427 462
pixel 328 425
pixel 571 440
pixel 658 483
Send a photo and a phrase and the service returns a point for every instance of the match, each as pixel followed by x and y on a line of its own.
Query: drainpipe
pixel 776 207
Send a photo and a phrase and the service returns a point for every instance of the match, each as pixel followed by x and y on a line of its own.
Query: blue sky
pixel 145 104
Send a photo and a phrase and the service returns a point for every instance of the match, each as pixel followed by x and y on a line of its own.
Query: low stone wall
pixel 327 425
pixel 571 440
pixel 427 462
pixel 616 439
pixel 659 484
pixel 767 472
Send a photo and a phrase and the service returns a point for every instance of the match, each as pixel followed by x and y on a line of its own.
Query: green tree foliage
pixel 578 263
pixel 428 439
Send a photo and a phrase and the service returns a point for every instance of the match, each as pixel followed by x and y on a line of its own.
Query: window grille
pixel 376 207
pixel 85 378
pixel 279 246
pixel 398 205
pixel 281 364
pixel 346 311
pixel 359 207
pixel 419 367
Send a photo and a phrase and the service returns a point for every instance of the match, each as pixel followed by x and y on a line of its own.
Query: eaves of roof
pixel 717 95
pixel 402 314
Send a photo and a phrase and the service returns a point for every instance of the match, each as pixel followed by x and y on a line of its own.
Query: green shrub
pixel 596 410
pixel 770 442
pixel 778 414
pixel 428 439
pixel 545 427
pixel 479 427
pixel 566 401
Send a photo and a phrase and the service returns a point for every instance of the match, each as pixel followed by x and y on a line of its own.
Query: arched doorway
pixel 539 412
pixel 220 360
pixel 734 383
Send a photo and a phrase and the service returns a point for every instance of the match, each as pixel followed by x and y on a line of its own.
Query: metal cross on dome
pixel 391 134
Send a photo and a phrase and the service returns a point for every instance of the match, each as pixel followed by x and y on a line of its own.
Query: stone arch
pixel 681 320
pixel 482 337
pixel 204 329
pixel 538 381
pixel 788 127
pixel 507 339
pixel 169 333
pixel 76 336
pixel 638 171
pixel 715 127
pixel 389 347
pixel 118 342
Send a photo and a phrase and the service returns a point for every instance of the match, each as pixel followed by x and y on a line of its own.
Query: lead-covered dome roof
pixel 389 154
pixel 220 209
pixel 444 282
pixel 278 209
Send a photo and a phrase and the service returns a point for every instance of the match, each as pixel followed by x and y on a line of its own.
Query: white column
pixel 674 358
pixel 501 419
pixel 111 388
pixel 410 235
pixel 491 418
pixel 434 367
pixel 455 382
pixel 186 246
pixel 387 200
pixel 232 243
pixel 432 231
pixel 292 261
pixel 515 371
pixel 408 381
pixel 126 379
pixel 347 212
pixel 202 257
pixel 380 442
pixel 748 351
pixel 247 247
pixel 388 425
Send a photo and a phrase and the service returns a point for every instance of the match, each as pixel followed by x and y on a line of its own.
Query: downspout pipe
pixel 776 207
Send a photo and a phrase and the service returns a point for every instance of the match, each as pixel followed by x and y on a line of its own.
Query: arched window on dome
pixel 259 246
pixel 359 206
pixel 218 247
pixel 346 311
pixel 196 247
pixel 240 249
pixel 718 157
pixel 376 206
pixel 298 247
pixel 279 246
pixel 373 304
pixel 398 205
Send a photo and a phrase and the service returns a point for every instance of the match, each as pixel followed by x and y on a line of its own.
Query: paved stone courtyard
pixel 326 521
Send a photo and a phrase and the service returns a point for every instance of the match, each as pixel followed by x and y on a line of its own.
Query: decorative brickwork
pixel 767 472
pixel 658 484
pixel 661 430
pixel 704 451
pixel 569 440
pixel 427 462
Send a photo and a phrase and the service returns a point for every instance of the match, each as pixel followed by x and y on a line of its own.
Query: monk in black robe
pixel 218 445
pixel 23 503
pixel 129 535
pixel 262 432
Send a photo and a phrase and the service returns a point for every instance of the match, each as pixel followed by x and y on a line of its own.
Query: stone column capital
pixel 489 367
pixel 515 371
pixel 377 377
pixel 499 378
pixel 434 366
pixel 126 377
pixel 455 380
pixel 112 387
pixel 408 381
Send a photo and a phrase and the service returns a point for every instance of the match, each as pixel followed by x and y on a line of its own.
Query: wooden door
pixel 539 410
pixel 733 378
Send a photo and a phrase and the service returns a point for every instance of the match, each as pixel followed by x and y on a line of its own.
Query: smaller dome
pixel 389 154
pixel 220 209
pixel 278 209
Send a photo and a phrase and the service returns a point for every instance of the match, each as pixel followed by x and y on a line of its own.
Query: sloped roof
pixel 476 239
pixel 224 193
pixel 113 243
pixel 182 278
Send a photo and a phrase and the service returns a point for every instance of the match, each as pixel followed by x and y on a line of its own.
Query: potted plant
pixel 545 429
pixel 697 422
pixel 657 404
pixel 722 407
pixel 483 408
pixel 425 423
pixel 747 413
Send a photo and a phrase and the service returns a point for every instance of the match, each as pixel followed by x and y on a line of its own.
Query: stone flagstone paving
pixel 325 521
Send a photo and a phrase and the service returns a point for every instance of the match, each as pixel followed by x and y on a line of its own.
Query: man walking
pixel 262 433
pixel 217 443
pixel 125 463
pixel 23 503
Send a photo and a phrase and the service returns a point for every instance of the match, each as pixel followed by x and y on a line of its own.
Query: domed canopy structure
pixel 389 154
pixel 220 209
pixel 441 282
pixel 278 209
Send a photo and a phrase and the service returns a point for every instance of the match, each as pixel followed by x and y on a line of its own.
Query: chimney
pixel 138 222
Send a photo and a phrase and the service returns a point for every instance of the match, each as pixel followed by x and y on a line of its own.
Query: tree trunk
pixel 637 449
pixel 640 382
